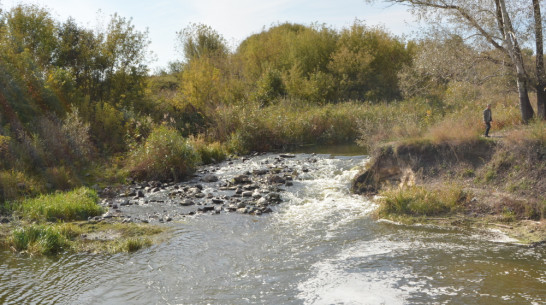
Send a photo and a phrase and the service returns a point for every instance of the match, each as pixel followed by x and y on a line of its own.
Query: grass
pixel 164 155
pixel 38 239
pixel 419 201
pixel 208 152
pixel 78 204
pixel 52 239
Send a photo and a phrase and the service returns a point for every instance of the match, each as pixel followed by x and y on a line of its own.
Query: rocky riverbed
pixel 251 185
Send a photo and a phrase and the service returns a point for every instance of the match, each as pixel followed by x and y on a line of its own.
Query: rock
pixel 199 186
pixel 256 194
pixel 289 183
pixel 241 179
pixel 156 189
pixel 260 172
pixel 287 156
pixel 144 220
pixel 200 195
pixel 241 205
pixel 275 179
pixel 241 211
pixel 247 194
pixel 273 197
pixel 186 202
pixel 250 187
pixel 239 191
pixel 209 178
pixel 193 190
pixel 217 201
pixel 140 194
pixel 262 202
pixel 205 208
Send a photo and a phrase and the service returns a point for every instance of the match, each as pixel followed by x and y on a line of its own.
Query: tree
pixel 199 40
pixel 541 74
pixel 491 23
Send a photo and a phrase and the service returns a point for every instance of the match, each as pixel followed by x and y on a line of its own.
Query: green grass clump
pixel 133 245
pixel 164 155
pixel 38 239
pixel 78 204
pixel 418 201
pixel 208 152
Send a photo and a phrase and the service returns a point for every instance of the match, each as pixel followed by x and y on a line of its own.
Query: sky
pixel 235 20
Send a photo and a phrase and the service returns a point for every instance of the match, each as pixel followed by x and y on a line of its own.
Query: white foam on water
pixel 334 283
pixel 323 199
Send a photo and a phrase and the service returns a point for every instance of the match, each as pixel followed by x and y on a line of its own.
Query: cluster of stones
pixel 252 192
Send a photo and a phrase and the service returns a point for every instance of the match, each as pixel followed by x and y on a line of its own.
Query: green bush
pixel 208 152
pixel 78 204
pixel 164 155
pixel 418 201
pixel 38 239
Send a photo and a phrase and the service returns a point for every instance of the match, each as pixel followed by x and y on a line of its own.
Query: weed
pixel 78 204
pixel 418 201
pixel 38 239
pixel 165 155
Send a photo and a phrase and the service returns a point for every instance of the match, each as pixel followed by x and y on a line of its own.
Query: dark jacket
pixel 487 117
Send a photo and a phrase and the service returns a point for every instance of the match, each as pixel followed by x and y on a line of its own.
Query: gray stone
pixel 209 178
pixel 241 211
pixel 186 202
pixel 200 195
pixel 276 179
pixel 261 202
pixel 241 179
pixel 260 172
pixel 247 194
pixel 287 156
pixel 217 201
pixel 205 208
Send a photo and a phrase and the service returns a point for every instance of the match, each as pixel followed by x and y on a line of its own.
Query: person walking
pixel 487 119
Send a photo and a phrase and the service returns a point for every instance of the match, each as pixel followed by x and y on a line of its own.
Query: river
pixel 320 246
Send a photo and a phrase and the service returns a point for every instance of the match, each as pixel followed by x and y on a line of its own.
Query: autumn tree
pixel 497 24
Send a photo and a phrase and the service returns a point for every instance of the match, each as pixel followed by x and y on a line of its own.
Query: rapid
pixel 319 246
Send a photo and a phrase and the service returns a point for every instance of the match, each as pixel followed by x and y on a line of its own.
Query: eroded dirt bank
pixel 504 184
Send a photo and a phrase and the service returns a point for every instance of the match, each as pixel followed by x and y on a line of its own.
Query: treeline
pixel 76 102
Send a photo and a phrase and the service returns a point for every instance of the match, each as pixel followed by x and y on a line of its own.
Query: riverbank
pixel 492 183
pixel 135 215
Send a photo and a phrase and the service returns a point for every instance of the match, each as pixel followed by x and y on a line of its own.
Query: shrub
pixel 208 152
pixel 78 204
pixel 418 201
pixel 38 239
pixel 61 177
pixel 165 154
pixel 15 184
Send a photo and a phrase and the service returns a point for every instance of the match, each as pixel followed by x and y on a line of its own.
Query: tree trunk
pixel 515 54
pixel 541 75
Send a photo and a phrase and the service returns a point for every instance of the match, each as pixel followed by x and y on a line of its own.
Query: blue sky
pixel 234 19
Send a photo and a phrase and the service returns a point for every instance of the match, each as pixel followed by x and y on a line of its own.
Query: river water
pixel 320 246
